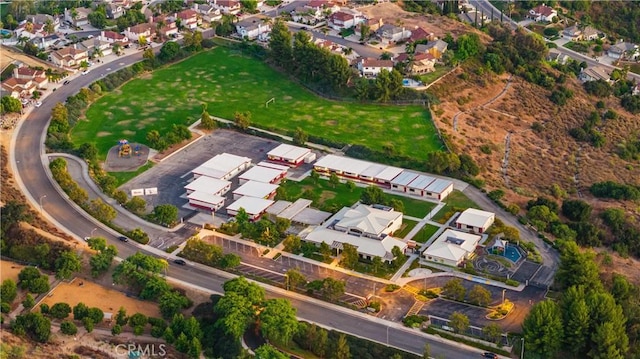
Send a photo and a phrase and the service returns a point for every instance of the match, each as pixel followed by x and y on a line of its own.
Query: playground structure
pixel 505 249
pixel 124 149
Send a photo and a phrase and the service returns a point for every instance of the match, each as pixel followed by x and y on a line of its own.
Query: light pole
pixel 92 231
pixel 522 349
pixel 503 291
pixel 41 197
pixel 286 281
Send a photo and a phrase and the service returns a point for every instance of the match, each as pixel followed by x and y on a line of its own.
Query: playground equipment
pixel 125 149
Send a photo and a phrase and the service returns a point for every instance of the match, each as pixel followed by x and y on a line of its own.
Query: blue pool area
pixel 411 83
pixel 510 252
pixel 5 32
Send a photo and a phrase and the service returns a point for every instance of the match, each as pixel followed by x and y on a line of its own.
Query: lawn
pixel 432 76
pixel 456 201
pixel 228 82
pixel 331 199
pixel 425 233
pixel 124 177
pixel 407 226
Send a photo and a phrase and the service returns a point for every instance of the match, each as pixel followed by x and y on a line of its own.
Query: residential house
pixel 145 30
pixel 368 229
pixel 419 34
pixel 344 19
pixel 475 220
pixel 51 41
pixel 595 73
pixel 39 77
pixel 418 64
pixel 42 19
pixel 369 67
pixel 390 34
pixel 374 25
pixel 30 31
pixel 435 48
pixel 636 90
pixel 69 56
pixel 623 50
pixel 18 87
pixel 207 12
pixel 114 11
pixel 590 33
pixel 305 15
pixel 557 56
pixel 253 28
pixel 188 19
pixel 96 47
pixel 113 37
pixel 226 6
pixel 543 13
pixel 81 19
pixel 170 29
pixel 452 248
pixel 322 6
pixel 573 33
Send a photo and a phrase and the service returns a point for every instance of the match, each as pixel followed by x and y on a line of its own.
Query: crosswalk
pixel 415 308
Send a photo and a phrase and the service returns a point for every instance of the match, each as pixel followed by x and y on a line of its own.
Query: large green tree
pixel 577 268
pixel 454 289
pixel 543 329
pixel 575 314
pixel 281 50
pixel 278 321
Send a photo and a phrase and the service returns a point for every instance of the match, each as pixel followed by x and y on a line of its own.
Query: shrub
pixel 391 287
pixel 68 328
pixel 414 321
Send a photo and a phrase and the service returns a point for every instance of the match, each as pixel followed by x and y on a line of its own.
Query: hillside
pixel 536 160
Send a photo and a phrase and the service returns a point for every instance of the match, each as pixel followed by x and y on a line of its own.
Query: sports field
pixel 228 82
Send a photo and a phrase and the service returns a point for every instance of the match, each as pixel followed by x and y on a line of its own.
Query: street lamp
pixel 41 197
pixel 522 349
pixel 503 291
pixel 92 231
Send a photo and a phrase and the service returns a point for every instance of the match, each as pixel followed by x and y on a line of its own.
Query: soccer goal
pixel 272 100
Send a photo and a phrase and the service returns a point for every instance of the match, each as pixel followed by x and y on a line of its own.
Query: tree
pixel 60 310
pixel 8 291
pixel 280 40
pixel 372 195
pixel 121 317
pixel 426 353
pixel 19 9
pixel 166 214
pixel 88 324
pixel 349 256
pixel 98 19
pixel 575 317
pixel 171 303
pixel 138 320
pixel 334 180
pixel 80 311
pixel 292 243
pixel 541 216
pixel 136 205
pixel 543 329
pixel 325 251
pixel 493 332
pixel 169 51
pixel 459 322
pixel 96 315
pixel 300 137
pixel 206 121
pixel 230 260
pixel 295 278
pixel 454 289
pixel 102 211
pixel 332 289
pixel 68 328
pixel 576 210
pixel 605 339
pixel 67 263
pixel 278 321
pixel 250 6
pixel 315 176
pixel 480 296
pixel 28 301
pixel 604 309
pixel 266 351
pixel 342 348
pixel 577 268
pixel 242 120
pixel 10 104
pixel 376 264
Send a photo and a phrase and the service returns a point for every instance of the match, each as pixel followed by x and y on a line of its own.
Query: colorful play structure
pixel 125 149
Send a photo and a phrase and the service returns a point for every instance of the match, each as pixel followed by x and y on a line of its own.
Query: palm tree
pixel 117 48
pixel 97 52
pixel 84 65
pixel 48 27
pixel 348 51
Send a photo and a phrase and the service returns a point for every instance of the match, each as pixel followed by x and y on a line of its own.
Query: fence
pixel 472 331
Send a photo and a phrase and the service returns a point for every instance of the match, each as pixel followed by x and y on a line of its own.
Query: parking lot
pixel 172 174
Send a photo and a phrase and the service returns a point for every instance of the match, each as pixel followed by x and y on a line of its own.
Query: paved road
pixel 27 158
pixel 486 6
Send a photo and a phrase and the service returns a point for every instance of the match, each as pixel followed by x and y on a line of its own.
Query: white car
pixel 90 37
pixel 85 72
pixel 38 104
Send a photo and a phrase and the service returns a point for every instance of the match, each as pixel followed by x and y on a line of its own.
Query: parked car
pixel 123 239
pixel 66 82
pixel 86 239
pixel 490 355
pixel 85 72
pixel 90 37
pixel 38 104
pixel 180 262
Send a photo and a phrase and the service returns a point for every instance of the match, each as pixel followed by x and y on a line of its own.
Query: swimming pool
pixel 411 83
pixel 5 32
pixel 512 254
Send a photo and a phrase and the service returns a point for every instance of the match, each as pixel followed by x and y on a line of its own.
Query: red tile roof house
pixel 226 6
pixel 374 24
pixel 39 77
pixel 113 37
pixel 542 13
pixel 146 30
pixel 369 67
pixel 19 87
pixel 69 56
pixel 188 19
pixel 319 6
pixel 343 20
pixel 421 63
pixel 30 30
pixel 419 33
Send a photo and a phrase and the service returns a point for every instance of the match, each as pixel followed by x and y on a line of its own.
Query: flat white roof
pixel 209 172
pixel 226 162
pixel 278 207
pixel 256 189
pixel 261 174
pixel 439 185
pixel 207 184
pixel 453 245
pixel 421 182
pixel 273 165
pixel 389 173
pixel 343 164
pixel 251 205
pixel 404 178
pixel 289 152
pixel 365 218
pixel 475 217
pixel 295 208
pixel 205 197
pixel 367 246
pixel 373 170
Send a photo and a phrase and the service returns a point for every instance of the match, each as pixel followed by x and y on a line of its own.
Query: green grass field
pixel 407 226
pixel 455 201
pixel 229 82
pixel 332 199
pixel 425 233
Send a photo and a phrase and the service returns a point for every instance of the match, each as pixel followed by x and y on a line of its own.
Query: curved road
pixel 27 158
